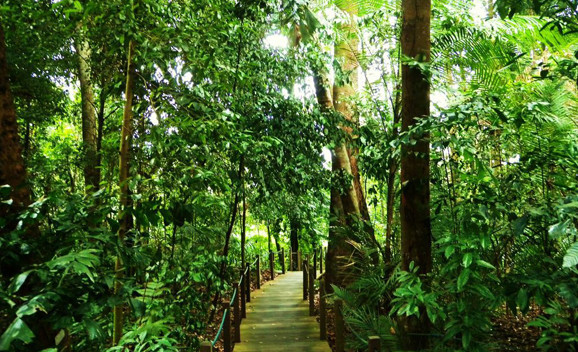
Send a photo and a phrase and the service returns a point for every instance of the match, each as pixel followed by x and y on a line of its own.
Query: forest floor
pixel 511 332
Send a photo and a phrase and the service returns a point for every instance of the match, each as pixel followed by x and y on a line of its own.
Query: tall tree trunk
pixel 415 168
pixel 13 173
pixel 12 168
pixel 353 203
pixel 89 126
pixel 124 168
pixel 344 206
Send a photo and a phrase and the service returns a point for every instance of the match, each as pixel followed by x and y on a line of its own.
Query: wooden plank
pixel 278 319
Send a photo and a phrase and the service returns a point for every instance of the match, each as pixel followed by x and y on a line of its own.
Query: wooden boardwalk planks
pixel 278 319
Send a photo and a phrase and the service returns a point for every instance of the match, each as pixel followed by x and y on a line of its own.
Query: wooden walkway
pixel 278 319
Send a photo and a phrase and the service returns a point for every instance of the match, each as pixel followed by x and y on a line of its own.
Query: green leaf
pixel 467 260
pixel 93 330
pixel 17 283
pixel 18 330
pixel 559 229
pixel 569 291
pixel 449 251
pixel 571 256
pixel 466 339
pixel 485 264
pixel 522 300
pixel 463 279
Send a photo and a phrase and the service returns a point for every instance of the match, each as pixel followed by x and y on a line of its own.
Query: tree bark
pixel 244 224
pixel 391 176
pixel 13 173
pixel 89 126
pixel 124 172
pixel 12 168
pixel 294 238
pixel 344 206
pixel 415 168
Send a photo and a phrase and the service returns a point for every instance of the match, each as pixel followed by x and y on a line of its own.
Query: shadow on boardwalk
pixel 278 319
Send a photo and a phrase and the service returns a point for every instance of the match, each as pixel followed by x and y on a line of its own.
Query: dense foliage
pixel 228 156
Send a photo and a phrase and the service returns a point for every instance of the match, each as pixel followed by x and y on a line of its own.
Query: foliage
pixel 223 118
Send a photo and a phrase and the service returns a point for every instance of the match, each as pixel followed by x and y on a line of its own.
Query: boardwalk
pixel 278 319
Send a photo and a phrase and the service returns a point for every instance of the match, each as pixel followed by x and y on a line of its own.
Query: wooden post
pixel 258 272
pixel 206 346
pixel 272 264
pixel 311 291
pixel 315 261
pixel 283 260
pixel 322 311
pixel 374 344
pixel 291 259
pixel 321 259
pixel 236 312
pixel 299 260
pixel 248 289
pixel 243 297
pixel 227 327
pixel 305 278
pixel 339 327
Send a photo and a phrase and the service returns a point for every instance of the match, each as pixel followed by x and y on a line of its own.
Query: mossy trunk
pixel 89 127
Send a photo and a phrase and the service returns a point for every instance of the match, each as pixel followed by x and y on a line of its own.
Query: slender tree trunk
pixel 391 176
pixel 124 167
pixel 294 238
pixel 234 209
pixel 491 10
pixel 415 168
pixel 276 235
pixel 390 209
pixel 244 224
pixel 89 125
pixel 100 119
pixel 27 137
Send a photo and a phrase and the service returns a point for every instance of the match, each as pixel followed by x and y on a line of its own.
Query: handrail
pixel 242 289
pixel 225 312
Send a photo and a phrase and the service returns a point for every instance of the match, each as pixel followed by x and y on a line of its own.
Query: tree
pixel 89 123
pixel 12 169
pixel 124 173
pixel 348 207
pixel 415 165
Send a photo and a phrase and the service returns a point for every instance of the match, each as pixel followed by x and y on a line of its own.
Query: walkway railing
pixel 238 303
pixel 309 278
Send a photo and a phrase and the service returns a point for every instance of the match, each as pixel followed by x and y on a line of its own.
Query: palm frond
pixel 365 7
